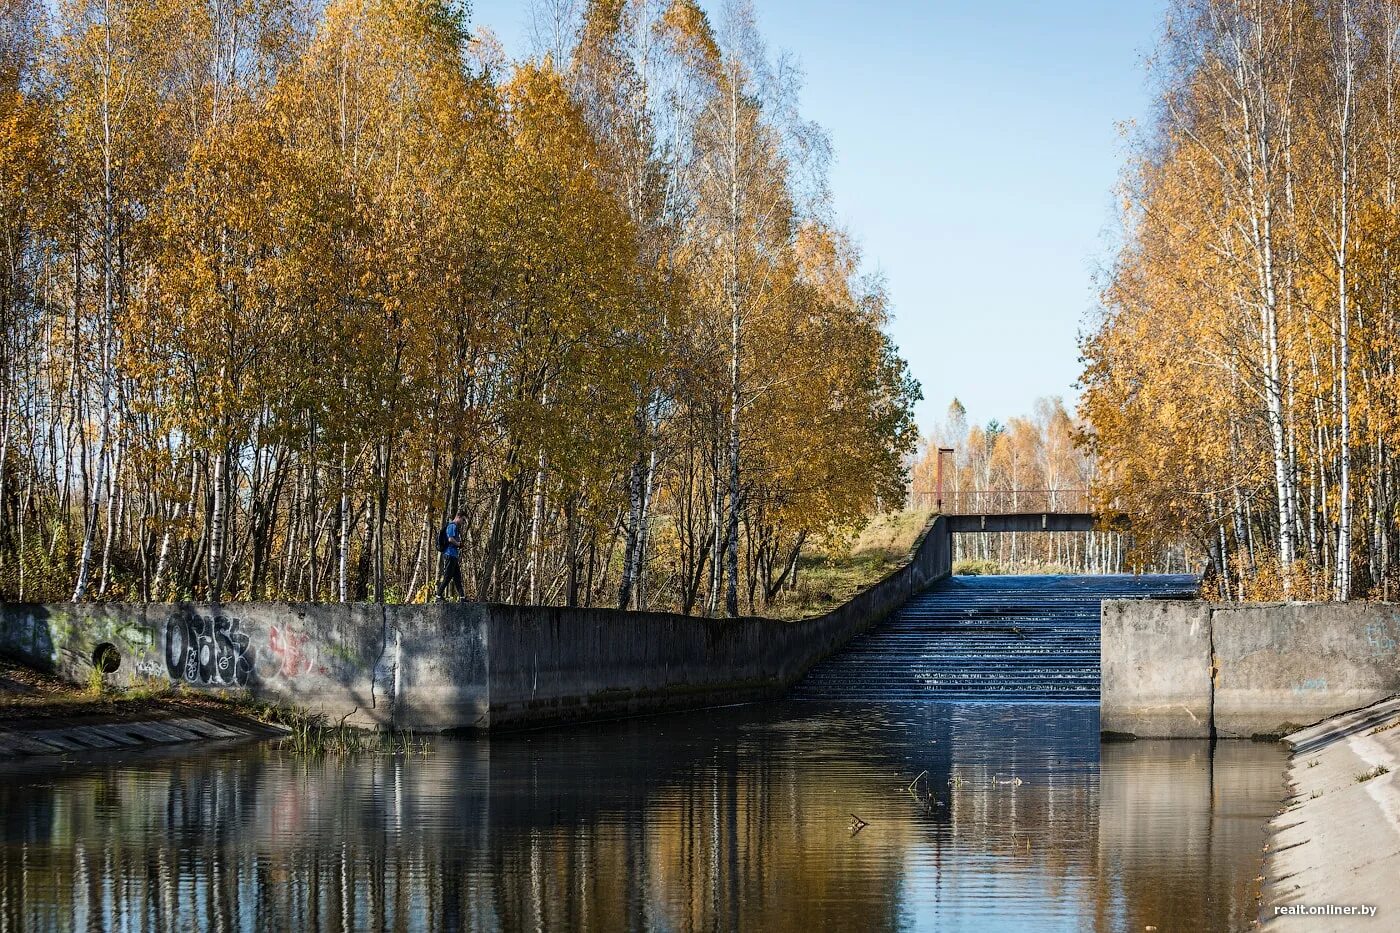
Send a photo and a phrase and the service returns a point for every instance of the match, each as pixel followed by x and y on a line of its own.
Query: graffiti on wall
pixel 1381 636
pixel 288 652
pixel 145 667
pixel 218 651
pixel 1313 683
pixel 132 635
pixel 208 652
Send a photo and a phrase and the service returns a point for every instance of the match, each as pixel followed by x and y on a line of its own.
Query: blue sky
pixel 977 148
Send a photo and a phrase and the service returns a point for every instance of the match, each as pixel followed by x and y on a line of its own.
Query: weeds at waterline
pixel 309 736
pixel 1375 772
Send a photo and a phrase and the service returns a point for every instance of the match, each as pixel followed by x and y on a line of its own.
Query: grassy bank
pixel 978 568
pixel 836 569
pixel 28 696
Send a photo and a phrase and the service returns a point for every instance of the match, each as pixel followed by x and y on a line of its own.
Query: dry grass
pixel 309 735
pixel 31 698
pixel 834 570
pixel 975 567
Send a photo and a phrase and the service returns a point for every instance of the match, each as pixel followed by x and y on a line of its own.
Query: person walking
pixel 450 573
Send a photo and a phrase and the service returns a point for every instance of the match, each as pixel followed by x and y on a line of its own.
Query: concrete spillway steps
pixel 991 638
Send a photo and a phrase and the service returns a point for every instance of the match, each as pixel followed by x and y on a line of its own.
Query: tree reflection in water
pixel 725 819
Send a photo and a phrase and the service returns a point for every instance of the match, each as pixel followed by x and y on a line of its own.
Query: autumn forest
pixel 1242 384
pixel 283 285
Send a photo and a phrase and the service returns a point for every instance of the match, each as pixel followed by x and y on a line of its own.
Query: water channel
pixel 735 818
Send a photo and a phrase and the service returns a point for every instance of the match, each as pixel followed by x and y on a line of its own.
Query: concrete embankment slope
pixel 1238 670
pixel 467 666
pixel 1337 844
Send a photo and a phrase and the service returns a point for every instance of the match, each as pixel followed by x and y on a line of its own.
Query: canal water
pixel 945 772
pixel 728 819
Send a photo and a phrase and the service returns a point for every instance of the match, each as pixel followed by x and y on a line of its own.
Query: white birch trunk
pixel 1343 587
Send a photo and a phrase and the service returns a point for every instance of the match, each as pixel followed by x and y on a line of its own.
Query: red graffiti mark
pixel 288 650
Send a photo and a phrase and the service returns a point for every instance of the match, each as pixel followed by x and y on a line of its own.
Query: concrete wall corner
pixel 1155 659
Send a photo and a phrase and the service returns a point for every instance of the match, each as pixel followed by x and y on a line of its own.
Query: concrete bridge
pixel 1020 510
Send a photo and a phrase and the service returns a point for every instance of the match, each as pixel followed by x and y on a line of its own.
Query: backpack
pixel 442 542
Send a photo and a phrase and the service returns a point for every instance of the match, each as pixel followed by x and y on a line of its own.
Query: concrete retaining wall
pixel 1254 668
pixel 345 661
pixel 455 666
pixel 1146 688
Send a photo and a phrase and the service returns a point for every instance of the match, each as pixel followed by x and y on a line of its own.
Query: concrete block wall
pixel 1256 668
pixel 1153 680
pixel 455 666
pixel 340 660
pixel 1284 666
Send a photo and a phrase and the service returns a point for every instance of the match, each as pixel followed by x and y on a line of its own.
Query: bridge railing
pixel 1007 501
